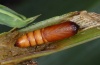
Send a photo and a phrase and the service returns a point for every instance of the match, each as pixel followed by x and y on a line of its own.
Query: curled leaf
pixel 49 22
pixel 14 55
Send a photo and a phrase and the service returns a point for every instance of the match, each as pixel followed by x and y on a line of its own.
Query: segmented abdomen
pixel 48 34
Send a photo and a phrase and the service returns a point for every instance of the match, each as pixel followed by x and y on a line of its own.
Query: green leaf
pixel 12 19
pixel 7 10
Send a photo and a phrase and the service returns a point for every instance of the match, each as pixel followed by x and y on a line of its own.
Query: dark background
pixel 85 54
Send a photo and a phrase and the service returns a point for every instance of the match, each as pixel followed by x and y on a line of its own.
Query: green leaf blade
pixel 4 8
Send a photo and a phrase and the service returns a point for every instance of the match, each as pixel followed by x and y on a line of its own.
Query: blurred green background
pixel 85 54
